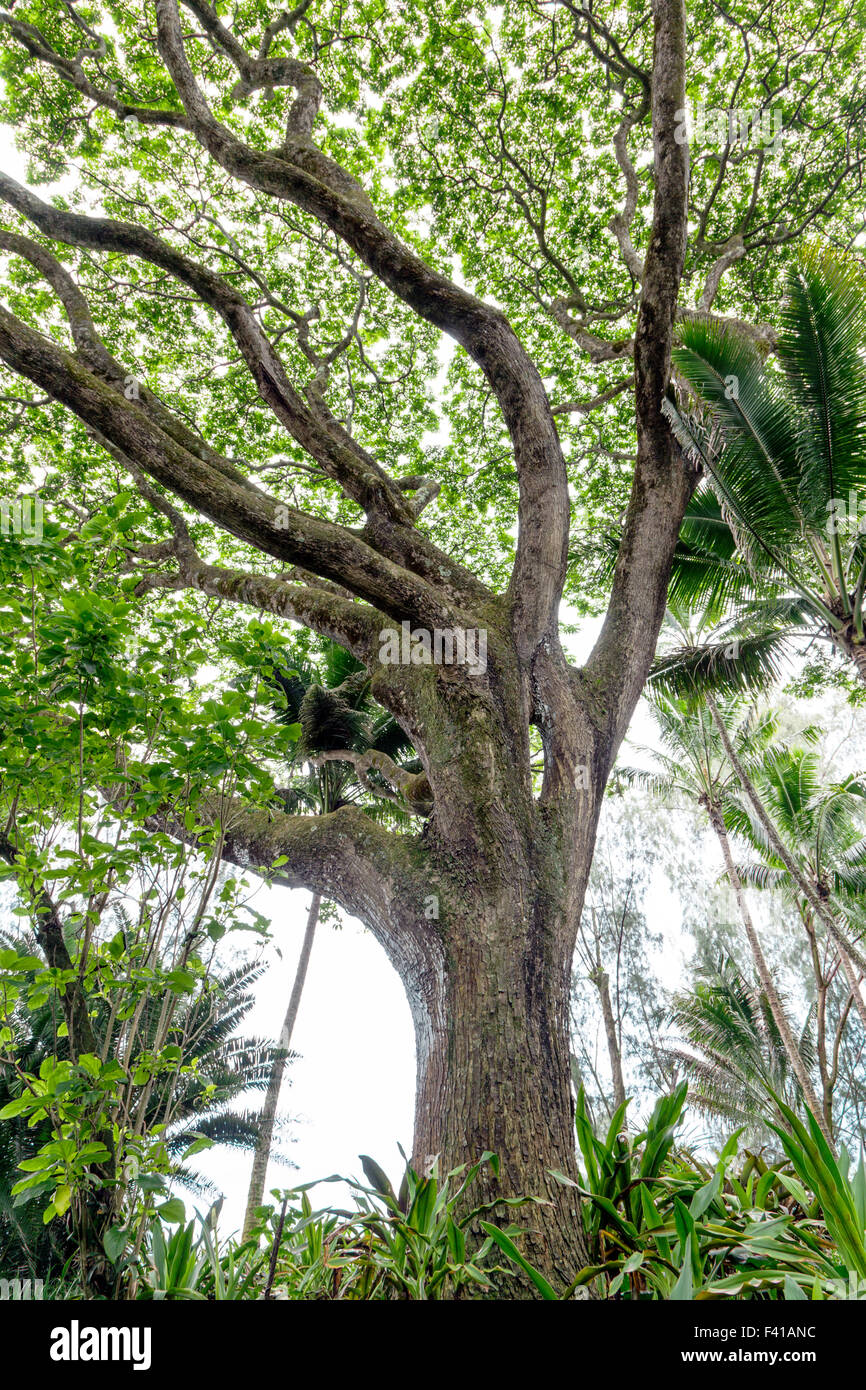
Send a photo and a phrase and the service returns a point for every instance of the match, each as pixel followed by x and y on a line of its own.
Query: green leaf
pixel 683 1289
pixel 511 1250
pixel 114 1243
pixel 62 1199
pixel 793 1292
pixel 172 1211
pixel 18 1107
pixel 181 981
pixel 197 1146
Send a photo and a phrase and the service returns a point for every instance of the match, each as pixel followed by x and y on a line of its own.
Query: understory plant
pixel 664 1223
pixel 426 1242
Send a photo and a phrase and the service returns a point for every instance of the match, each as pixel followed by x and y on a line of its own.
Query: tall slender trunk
pixel 827 1078
pixel 601 980
pixel 264 1141
pixel 855 980
pixel 822 988
pixel 780 1019
pixel 814 898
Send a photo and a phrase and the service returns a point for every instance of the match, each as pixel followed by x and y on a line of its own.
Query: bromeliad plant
pixel 663 1224
pixel 427 1242
pixel 841 1197
pixel 185 1266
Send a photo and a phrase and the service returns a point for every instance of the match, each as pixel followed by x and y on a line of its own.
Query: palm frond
pixel 732 665
pixel 755 469
pixel 330 722
pixel 821 348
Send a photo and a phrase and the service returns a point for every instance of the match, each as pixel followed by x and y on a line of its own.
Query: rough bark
pixel 262 1154
pixel 852 648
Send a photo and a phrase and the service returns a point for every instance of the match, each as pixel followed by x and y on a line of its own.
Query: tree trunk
pixel 478 911
pixel 494 1075
pixel 780 1019
pixel 822 985
pixel 601 980
pixel 847 643
pixel 855 980
pixel 262 1154
pixel 858 656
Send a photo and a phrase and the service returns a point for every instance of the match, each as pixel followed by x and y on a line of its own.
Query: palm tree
pixel 736 1058
pixel 346 754
pixel 778 526
pixel 696 765
pixel 227 1063
pixel 219 1065
pixel 824 828
pixel 694 670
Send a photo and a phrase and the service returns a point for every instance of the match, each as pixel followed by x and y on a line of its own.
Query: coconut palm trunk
pixel 262 1155
pixel 780 1018
pixel 849 952
pixel 854 982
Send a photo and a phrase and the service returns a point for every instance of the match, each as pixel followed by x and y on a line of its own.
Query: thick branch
pixel 302 175
pixel 584 407
pixel 621 223
pixel 390 527
pixel 733 252
pixel 622 655
pixel 284 532
pixel 264 71
pixel 71 71
pixel 370 871
pixel 334 615
pixel 359 476
pixel 414 788
pixel 94 353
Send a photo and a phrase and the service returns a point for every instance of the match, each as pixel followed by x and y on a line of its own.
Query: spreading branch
pixel 285 532
pixel 372 872
pixel 301 174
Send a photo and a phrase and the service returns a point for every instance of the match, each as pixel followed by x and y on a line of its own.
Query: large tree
pixel 252 265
